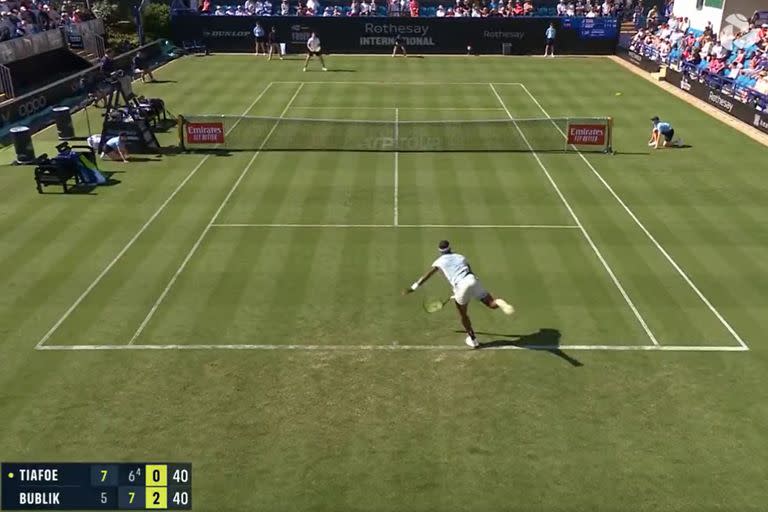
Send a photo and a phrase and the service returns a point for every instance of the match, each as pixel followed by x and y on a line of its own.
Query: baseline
pixel 394 347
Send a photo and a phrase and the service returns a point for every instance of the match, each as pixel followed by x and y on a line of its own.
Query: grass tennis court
pixel 241 311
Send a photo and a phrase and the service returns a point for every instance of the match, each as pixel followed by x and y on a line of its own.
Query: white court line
pixel 397 166
pixel 437 226
pixel 395 347
pixel 655 242
pixel 390 83
pixel 567 205
pixel 135 237
pixel 329 107
pixel 207 228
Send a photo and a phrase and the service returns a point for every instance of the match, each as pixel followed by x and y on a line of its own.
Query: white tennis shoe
pixel 471 343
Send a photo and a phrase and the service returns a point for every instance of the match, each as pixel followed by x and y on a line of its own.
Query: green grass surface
pixel 155 260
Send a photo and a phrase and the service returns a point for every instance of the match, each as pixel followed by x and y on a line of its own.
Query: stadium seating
pixel 653 45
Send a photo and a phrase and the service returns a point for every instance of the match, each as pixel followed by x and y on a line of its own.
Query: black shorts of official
pixel 550 42
pixel 316 54
pixel 399 45
pixel 669 135
pixel 260 39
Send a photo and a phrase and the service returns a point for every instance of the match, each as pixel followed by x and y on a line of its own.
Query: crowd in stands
pixel 411 8
pixel 738 61
pixel 19 18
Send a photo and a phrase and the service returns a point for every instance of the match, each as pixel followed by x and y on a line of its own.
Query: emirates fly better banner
pixel 587 134
pixel 204 133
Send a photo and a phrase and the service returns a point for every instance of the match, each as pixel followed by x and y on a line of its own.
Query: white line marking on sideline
pixel 207 228
pixel 135 237
pixel 394 347
pixel 437 226
pixel 567 205
pixel 390 83
pixel 661 249
pixel 397 164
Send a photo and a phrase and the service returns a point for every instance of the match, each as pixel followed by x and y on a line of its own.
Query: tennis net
pixel 249 133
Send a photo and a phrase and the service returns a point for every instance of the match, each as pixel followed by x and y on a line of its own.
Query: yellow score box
pixel 156 498
pixel 156 475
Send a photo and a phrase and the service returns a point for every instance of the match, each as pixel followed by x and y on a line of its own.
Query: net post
pixel 567 131
pixel 609 132
pixel 180 123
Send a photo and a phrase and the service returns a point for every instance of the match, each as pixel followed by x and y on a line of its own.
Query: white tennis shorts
pixel 467 289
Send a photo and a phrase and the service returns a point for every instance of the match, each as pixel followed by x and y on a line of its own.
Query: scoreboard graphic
pixel 96 486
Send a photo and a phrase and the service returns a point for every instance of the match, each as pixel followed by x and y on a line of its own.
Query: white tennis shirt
pixel 313 43
pixel 455 267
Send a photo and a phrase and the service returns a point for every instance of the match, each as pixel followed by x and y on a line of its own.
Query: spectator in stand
pixel 719 51
pixel 440 13
pixel 365 8
pixel 413 7
pixel 733 71
pixel 354 9
pixel 285 9
pixel 527 8
pixel 337 12
pixel 328 11
pixel 606 7
pixel 561 8
pixel 709 30
pixel 762 83
pixel 740 58
pixel 715 66
pixel 652 15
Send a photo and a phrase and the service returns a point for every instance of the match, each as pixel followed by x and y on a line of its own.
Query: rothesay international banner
pixel 420 35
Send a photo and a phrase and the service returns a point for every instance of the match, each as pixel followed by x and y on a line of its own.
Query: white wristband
pixel 414 286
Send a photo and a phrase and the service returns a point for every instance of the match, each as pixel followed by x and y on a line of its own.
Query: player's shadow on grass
pixel 544 340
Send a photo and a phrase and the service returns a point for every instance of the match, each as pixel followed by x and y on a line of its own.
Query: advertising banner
pixel 728 104
pixel 638 60
pixel 377 35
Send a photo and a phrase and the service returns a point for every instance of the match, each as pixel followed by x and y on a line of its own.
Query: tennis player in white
pixel 314 48
pixel 466 286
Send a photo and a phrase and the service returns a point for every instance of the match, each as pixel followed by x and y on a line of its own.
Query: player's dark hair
pixel 444 246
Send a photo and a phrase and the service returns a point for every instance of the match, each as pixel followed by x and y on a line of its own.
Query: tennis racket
pixel 433 305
